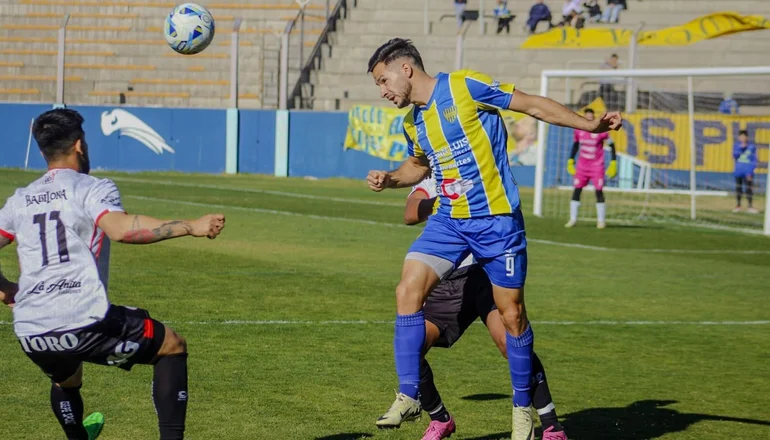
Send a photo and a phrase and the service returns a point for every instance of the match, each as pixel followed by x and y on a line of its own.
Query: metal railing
pixel 296 98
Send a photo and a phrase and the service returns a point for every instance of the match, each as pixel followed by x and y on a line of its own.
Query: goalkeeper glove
pixel 571 167
pixel 612 170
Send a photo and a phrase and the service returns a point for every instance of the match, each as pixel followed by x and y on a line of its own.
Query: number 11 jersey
pixel 54 222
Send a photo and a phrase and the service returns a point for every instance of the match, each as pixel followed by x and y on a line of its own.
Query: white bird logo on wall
pixel 130 126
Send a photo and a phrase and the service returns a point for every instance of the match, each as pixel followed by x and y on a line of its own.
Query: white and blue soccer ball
pixel 189 28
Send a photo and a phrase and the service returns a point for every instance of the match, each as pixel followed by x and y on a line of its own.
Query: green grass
pixel 331 381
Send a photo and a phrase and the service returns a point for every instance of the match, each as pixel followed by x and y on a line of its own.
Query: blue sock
pixel 407 344
pixel 519 350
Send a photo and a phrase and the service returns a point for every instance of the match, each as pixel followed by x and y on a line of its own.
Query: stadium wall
pixel 194 140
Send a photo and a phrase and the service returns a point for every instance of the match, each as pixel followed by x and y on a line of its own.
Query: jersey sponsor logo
pixel 46 197
pixel 37 344
pixel 112 199
pixel 63 287
pixel 450 114
pixel 130 126
pixel 453 188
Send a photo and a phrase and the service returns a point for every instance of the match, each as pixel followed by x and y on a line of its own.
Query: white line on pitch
pixel 257 191
pixel 398 225
pixel 269 211
pixel 385 322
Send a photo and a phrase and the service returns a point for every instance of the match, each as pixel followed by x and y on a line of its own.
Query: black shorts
pixel 456 303
pixel 125 337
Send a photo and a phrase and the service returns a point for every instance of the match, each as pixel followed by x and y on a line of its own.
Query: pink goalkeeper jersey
pixel 591 153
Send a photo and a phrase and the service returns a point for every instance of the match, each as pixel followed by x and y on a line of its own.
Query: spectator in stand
pixel 504 17
pixel 460 6
pixel 573 14
pixel 607 84
pixel 612 11
pixel 729 106
pixel 594 11
pixel 538 13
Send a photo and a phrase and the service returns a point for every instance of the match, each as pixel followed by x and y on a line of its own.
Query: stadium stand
pixel 116 48
pixel 342 81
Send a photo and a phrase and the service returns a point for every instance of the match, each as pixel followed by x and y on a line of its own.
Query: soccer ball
pixel 189 28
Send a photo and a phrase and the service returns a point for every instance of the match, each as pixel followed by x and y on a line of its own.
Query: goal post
pixel 676 113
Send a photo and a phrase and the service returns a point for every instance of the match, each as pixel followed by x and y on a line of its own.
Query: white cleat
pixel 601 225
pixel 737 209
pixel 404 409
pixel 753 211
pixel 571 224
pixel 523 424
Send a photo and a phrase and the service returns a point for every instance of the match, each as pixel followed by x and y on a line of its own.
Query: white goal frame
pixel 689 74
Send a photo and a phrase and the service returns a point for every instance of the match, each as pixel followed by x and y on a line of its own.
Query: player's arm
pixel 550 111
pixel 418 207
pixel 412 171
pixel 613 152
pixel 8 288
pixel 575 148
pixel 491 95
pixel 141 229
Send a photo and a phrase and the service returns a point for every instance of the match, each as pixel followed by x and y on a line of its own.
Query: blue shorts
pixel 497 242
pixel 743 172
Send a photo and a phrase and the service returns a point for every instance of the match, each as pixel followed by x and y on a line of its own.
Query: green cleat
pixel 94 424
pixel 404 409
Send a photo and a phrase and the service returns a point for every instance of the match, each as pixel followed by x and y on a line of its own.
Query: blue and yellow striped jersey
pixel 462 134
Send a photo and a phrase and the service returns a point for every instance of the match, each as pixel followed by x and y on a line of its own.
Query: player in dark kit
pixel 61 313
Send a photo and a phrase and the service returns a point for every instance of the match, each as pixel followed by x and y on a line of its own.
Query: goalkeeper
pixel 590 167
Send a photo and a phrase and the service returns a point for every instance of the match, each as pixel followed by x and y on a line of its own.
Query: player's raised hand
pixel 208 226
pixel 608 121
pixel 377 180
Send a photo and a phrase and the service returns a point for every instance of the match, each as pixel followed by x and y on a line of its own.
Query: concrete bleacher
pixel 112 46
pixel 343 80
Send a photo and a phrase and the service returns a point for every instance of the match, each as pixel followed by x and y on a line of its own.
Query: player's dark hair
pixel 393 50
pixel 588 110
pixel 56 132
pixel 743 132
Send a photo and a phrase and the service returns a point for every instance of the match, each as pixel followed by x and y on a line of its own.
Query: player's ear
pixel 78 146
pixel 407 69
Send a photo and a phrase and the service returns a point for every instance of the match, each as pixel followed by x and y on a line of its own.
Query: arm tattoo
pixel 139 235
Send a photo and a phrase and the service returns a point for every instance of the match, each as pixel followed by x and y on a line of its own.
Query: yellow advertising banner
pixel 702 28
pixel 663 139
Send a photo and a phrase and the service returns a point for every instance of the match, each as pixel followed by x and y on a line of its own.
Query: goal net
pixel 676 154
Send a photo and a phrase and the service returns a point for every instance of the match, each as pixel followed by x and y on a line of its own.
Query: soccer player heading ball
pixel 61 313
pixel 590 167
pixel 455 131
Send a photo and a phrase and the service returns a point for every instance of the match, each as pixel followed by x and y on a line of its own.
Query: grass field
pixel 645 332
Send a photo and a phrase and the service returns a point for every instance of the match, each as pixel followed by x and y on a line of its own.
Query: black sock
pixel 169 392
pixel 67 405
pixel 541 396
pixel 429 396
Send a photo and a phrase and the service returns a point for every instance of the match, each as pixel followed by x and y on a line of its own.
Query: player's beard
pixel 405 97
